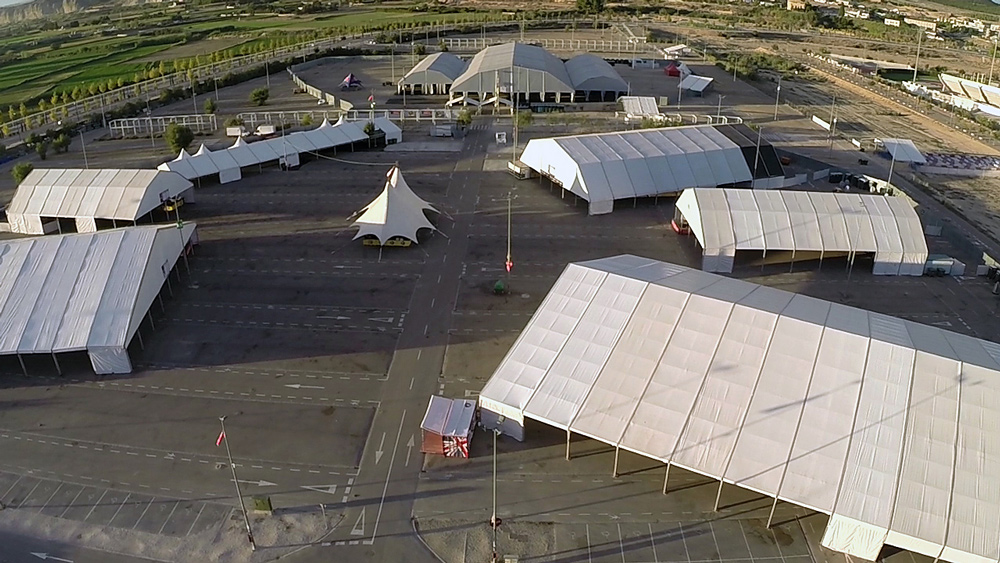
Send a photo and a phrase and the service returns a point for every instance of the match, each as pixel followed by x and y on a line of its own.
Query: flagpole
pixel 239 494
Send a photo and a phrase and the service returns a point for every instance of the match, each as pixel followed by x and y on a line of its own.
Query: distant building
pixel 795 5
pixel 891 22
pixel 928 25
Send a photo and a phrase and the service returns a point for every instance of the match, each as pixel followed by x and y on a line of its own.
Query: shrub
pixel 259 96
pixel 21 171
pixel 211 106
pixel 178 137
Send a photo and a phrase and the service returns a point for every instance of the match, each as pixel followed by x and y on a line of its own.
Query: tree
pixel 61 143
pixel 419 49
pixel 464 118
pixel 234 122
pixel 369 129
pixel 21 171
pixel 178 137
pixel 210 106
pixel 524 118
pixel 42 149
pixel 307 120
pixel 259 96
pixel 590 6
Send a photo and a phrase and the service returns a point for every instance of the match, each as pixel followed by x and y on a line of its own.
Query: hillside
pixel 44 8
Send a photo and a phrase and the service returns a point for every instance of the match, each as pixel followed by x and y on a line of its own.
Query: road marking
pixel 150 503
pixel 260 483
pixel 169 516
pixel 590 556
pixel 388 475
pixel 334 318
pixel 621 543
pixel 119 508
pixel 50 498
pixel 195 521
pixel 328 489
pixel 300 386
pixel 420 351
pixel 381 319
pixel 652 542
pixel 25 499
pixel 359 526
pixel 409 448
pixel 379 452
pixel 411 384
pixel 44 556
pixel 72 501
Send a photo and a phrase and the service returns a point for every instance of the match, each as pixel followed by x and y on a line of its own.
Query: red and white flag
pixel 222 436
pixel 371 98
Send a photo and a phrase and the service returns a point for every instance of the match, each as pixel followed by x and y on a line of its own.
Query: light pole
pixel 777 96
pixel 149 116
pixel 494 522
pixel 239 495
pixel 993 61
pixel 718 110
pixel 888 180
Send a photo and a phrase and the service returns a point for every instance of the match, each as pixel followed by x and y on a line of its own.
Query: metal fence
pixel 142 126
pixel 429 115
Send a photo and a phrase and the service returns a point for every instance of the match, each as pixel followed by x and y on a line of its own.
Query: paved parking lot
pixel 102 506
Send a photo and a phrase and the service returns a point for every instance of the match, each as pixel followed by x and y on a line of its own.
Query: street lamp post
pixel 888 180
pixel 777 96
pixel 239 495
pixel 494 522
pixel 718 110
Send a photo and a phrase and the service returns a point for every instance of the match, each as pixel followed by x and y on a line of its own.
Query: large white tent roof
pixel 102 194
pixel 889 426
pixel 227 162
pixel 727 220
pixel 534 68
pixel 640 106
pixel 396 212
pixel 590 73
pixel 604 167
pixel 437 68
pixel 903 150
pixel 86 291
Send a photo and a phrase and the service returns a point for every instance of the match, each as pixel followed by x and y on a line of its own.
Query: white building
pixel 888 426
pixel 84 292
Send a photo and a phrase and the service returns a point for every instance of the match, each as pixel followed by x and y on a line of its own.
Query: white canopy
pixel 727 220
pixel 605 167
pixel 86 195
pixel 86 291
pixel 396 212
pixel 903 150
pixel 449 417
pixel 696 83
pixel 889 426
pixel 640 106
pixel 227 162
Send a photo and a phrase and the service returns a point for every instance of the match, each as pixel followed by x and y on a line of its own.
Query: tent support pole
pixel 170 289
pixel 666 476
pixel 114 225
pixel 718 495
pixel 24 369
pixel 568 434
pixel 56 362
pixel 770 517
pixel 614 473
pixel 139 336
pixel 151 323
pixel 791 266
pixel 159 297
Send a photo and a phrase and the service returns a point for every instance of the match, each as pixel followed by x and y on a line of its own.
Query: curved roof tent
pixel 396 212
pixel 439 68
pixel 590 73
pixel 535 70
pixel 728 220
pixel 887 425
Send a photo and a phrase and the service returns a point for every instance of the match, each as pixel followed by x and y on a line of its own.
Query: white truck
pixel 265 130
pixel 238 131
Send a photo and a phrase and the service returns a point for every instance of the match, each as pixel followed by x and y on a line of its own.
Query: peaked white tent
pixel 286 148
pixel 813 224
pixel 887 425
pixel 396 212
pixel 90 195
pixel 84 291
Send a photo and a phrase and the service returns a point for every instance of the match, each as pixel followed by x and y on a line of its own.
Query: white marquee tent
pixel 228 162
pixel 886 425
pixel 396 212
pixel 813 224
pixel 89 195
pixel 903 150
pixel 84 292
pixel 605 167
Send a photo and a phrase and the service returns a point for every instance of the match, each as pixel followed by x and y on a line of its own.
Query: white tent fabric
pixel 886 425
pixel 396 212
pixel 227 162
pixel 727 220
pixel 903 150
pixel 640 106
pixel 85 291
pixel 696 83
pixel 112 194
pixel 604 167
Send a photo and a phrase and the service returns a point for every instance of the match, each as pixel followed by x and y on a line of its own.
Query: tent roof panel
pixel 888 425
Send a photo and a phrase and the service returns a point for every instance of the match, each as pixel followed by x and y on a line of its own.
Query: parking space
pixel 110 507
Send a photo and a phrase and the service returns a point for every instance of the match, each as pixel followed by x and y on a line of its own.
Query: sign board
pixel 821 123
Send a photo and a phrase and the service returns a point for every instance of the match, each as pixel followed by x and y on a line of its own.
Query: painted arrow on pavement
pixel 409 448
pixel 259 483
pixel 381 319
pixel 52 557
pixel 378 452
pixel 300 386
pixel 335 318
pixel 328 489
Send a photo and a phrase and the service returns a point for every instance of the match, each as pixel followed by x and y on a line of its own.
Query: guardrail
pixel 431 115
pixel 142 126
pixel 328 99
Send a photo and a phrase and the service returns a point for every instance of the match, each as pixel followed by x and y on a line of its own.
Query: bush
pixel 464 118
pixel 210 106
pixel 42 149
pixel 61 143
pixel 306 120
pixel 420 49
pixel 524 118
pixel 369 129
pixel 442 46
pixel 21 171
pixel 178 137
pixel 234 122
pixel 259 96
